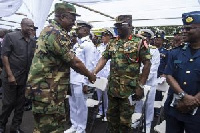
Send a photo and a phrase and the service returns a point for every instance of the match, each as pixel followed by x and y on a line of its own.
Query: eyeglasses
pixel 119 25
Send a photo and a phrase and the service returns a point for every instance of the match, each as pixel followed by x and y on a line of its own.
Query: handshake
pixel 92 77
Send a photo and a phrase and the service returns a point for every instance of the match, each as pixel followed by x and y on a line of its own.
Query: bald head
pixel 27 27
pixel 26 20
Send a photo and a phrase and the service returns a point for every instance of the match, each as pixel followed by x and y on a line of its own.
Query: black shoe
pixel 2 130
pixel 16 131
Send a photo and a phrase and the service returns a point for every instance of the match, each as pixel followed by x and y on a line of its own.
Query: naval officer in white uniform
pixel 106 36
pixel 151 81
pixel 85 51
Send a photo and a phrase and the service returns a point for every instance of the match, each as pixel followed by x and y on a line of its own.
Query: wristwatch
pixel 181 95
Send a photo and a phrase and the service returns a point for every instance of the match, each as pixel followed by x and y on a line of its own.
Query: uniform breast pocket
pixel 19 49
pixel 178 64
pixel 178 68
pixel 79 52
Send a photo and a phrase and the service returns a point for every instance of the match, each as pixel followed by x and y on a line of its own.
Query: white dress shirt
pixel 85 51
pixel 106 70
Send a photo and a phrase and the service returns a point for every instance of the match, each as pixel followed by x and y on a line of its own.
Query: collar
pixel 129 38
pixel 86 38
pixel 58 26
pixel 21 36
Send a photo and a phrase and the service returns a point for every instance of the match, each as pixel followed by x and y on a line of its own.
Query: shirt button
pixel 188 72
pixel 184 83
pixel 191 60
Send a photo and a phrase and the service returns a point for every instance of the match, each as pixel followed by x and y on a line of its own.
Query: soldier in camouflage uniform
pixel 49 74
pixel 126 53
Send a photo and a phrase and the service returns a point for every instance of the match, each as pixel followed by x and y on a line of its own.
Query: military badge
pixel 189 19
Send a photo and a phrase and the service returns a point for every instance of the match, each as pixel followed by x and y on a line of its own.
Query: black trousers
pixel 13 99
pixel 174 125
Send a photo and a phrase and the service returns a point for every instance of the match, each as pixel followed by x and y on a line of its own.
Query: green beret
pixel 66 7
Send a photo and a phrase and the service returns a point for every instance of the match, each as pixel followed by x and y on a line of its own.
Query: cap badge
pixel 189 19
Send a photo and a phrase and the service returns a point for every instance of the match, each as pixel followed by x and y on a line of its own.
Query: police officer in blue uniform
pixel 159 41
pixel 182 107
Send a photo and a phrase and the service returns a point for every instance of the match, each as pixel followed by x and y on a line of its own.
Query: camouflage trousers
pixel 49 123
pixel 119 115
pixel 51 120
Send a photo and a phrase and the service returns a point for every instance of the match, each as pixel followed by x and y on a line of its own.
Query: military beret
pixel 66 7
pixel 80 23
pixel 123 19
pixel 191 18
pixel 160 34
pixel 146 33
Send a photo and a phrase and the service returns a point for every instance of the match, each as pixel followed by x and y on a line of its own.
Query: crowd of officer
pixel 58 64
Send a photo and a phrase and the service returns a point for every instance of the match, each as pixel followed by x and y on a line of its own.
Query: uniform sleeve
pixel 144 54
pixel 170 65
pixel 155 61
pixel 107 54
pixel 6 46
pixel 60 46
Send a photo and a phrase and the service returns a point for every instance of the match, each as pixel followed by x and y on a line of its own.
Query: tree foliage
pixel 169 30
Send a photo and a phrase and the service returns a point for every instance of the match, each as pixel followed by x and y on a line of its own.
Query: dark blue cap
pixel 160 34
pixel 191 18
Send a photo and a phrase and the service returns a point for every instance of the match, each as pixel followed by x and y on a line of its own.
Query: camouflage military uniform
pixel 49 78
pixel 124 73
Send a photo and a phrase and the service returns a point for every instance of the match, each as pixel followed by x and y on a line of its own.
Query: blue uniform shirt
pixel 163 60
pixel 185 68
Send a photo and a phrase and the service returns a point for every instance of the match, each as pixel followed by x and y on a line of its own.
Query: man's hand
pixel 12 80
pixel 182 107
pixel 190 101
pixel 92 77
pixel 139 93
pixel 187 104
pixel 85 89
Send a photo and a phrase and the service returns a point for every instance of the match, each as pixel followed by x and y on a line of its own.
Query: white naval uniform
pixel 151 81
pixel 103 73
pixel 85 51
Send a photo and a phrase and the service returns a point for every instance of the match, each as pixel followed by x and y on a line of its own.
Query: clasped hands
pixel 187 104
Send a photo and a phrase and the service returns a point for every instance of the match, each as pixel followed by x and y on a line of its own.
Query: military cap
pixel 107 32
pixel 80 23
pixel 160 34
pixel 191 18
pixel 66 7
pixel 146 33
pixel 123 19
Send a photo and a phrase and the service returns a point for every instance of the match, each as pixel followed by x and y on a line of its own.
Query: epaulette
pixel 152 47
